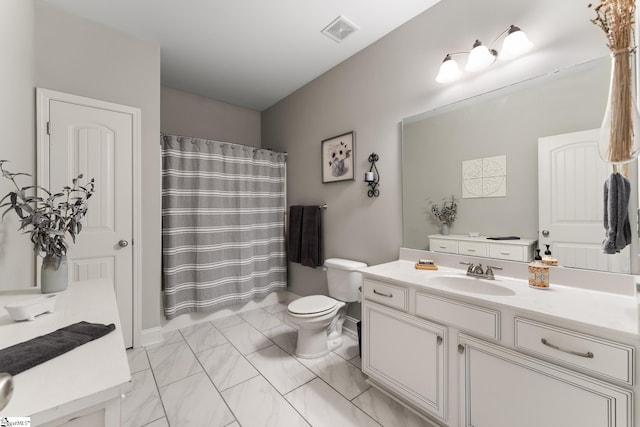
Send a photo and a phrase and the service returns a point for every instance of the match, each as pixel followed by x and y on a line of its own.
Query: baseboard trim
pixel 151 336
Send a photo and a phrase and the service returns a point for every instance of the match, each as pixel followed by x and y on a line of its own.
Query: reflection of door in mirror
pixel 571 178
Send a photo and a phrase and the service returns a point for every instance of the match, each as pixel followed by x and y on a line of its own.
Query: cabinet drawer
pixel 473 248
pixel 471 318
pixel 508 252
pixel 608 358
pixel 384 293
pixel 442 245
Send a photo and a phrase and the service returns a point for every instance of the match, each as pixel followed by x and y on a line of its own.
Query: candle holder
pixel 372 178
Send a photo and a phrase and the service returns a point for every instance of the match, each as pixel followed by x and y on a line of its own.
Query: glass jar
pixel 538 275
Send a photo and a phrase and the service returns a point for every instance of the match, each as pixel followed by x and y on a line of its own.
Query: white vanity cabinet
pixel 511 250
pixel 404 354
pixel 80 388
pixel 502 388
pixel 463 361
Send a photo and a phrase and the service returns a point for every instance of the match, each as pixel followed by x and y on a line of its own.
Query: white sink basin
pixel 472 285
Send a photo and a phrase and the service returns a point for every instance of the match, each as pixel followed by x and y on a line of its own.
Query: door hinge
pixel 48 128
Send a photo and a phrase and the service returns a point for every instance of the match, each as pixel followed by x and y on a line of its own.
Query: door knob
pixel 123 243
pixel 545 233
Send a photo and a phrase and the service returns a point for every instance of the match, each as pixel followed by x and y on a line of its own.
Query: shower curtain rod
pixel 162 134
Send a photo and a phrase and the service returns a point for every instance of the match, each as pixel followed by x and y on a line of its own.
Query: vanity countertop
pixel 90 373
pixel 609 312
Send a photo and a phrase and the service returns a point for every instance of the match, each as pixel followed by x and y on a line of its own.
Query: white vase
pixel 444 230
pixel 619 140
pixel 55 276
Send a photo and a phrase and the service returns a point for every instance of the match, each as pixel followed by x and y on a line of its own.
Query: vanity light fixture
pixel 480 56
pixel 372 178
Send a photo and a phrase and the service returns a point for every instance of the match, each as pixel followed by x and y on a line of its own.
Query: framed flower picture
pixel 337 158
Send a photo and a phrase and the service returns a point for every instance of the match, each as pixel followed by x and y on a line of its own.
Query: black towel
pixel 617 190
pixel 305 235
pixel 295 233
pixel 311 242
pixel 26 355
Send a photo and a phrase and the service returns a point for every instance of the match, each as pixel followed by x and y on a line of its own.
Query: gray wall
pixel 372 91
pixel 434 148
pixel 182 113
pixel 17 106
pixel 80 57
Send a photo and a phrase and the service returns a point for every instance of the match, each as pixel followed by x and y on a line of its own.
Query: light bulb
pixel 515 44
pixel 480 57
pixel 449 70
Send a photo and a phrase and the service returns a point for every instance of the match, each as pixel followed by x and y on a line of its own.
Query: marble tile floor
pixel 241 371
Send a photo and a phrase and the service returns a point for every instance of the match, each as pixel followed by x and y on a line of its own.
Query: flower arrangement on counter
pixel 446 213
pixel 616 19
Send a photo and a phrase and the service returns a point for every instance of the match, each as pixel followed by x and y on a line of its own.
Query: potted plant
pixel 446 213
pixel 48 218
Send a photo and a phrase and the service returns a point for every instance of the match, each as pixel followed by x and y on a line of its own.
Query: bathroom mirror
pixel 506 122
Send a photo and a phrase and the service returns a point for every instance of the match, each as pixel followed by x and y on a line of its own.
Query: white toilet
pixel 319 318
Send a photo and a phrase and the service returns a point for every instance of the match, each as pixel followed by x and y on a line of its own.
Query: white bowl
pixel 474 233
pixel 29 309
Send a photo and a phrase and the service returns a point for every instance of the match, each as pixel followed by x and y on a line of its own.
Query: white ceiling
pixel 249 53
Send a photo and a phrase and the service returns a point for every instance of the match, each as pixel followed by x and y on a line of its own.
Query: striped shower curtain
pixel 223 209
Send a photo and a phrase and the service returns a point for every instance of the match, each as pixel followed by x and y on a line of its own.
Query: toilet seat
pixel 314 305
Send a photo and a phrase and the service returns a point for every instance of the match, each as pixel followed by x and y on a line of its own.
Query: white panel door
pixel 571 177
pixel 98 143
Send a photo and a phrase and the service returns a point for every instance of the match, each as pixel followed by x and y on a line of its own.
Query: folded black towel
pixel 295 233
pixel 305 235
pixel 311 243
pixel 26 355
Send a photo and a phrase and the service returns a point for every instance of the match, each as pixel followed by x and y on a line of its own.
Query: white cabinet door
pixel 502 388
pixel 405 355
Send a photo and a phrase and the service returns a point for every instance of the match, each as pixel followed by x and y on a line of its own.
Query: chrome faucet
pixel 477 271
pixel 470 268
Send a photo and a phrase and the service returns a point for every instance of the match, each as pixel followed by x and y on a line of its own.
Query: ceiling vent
pixel 339 29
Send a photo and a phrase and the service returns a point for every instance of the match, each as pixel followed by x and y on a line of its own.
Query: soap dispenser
pixel 537 257
pixel 549 259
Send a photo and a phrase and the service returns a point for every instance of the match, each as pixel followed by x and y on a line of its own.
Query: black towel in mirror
pixel 617 190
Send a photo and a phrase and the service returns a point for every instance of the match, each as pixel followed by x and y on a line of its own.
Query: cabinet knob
pixel 460 349
pixel 123 243
pixel 440 339
pixel 545 233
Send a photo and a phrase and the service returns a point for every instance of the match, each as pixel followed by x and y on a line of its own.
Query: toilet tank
pixel 344 279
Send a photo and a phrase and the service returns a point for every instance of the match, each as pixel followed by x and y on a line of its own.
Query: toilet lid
pixel 312 304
